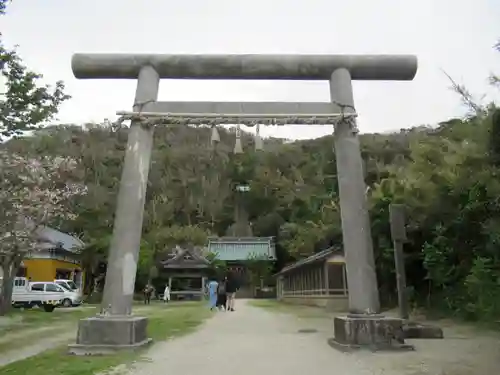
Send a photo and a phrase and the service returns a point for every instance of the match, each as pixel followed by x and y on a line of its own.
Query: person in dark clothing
pixel 221 294
pixel 231 289
pixel 148 291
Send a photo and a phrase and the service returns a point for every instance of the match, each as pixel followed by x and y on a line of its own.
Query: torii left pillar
pixel 115 327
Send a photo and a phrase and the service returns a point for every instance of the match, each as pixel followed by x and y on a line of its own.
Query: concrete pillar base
pixel 101 335
pixel 368 331
pixel 414 330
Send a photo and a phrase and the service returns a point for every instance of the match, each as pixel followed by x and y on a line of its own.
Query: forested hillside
pixel 447 176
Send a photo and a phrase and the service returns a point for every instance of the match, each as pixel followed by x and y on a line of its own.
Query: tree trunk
pixel 9 272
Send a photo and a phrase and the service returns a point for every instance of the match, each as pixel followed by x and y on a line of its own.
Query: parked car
pixel 73 297
pixel 70 297
pixel 45 295
pixel 69 285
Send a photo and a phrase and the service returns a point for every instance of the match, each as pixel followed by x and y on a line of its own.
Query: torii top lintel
pixel 246 67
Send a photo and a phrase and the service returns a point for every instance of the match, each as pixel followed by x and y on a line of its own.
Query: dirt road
pixel 253 340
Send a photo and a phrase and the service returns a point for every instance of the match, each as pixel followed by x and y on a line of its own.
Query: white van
pixel 47 297
pixel 19 284
pixel 70 297
pixel 69 285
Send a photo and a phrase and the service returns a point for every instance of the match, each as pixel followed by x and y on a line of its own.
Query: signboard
pixel 398 222
pixel 242 188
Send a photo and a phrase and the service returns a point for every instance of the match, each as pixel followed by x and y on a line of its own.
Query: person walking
pixel 231 289
pixel 221 294
pixel 148 291
pixel 212 293
pixel 166 294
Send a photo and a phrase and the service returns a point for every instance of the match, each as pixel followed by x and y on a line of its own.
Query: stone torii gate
pixel 116 327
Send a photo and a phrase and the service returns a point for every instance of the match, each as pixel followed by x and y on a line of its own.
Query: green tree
pixel 25 104
pixel 259 270
pixel 218 267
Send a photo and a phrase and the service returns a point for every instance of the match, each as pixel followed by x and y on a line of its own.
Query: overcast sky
pixel 452 35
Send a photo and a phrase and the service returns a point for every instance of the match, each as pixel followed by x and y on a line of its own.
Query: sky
pixel 455 36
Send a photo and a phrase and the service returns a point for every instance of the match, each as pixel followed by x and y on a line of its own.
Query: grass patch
pixel 23 319
pixel 164 323
pixel 26 339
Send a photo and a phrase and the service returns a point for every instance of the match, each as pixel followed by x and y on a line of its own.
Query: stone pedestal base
pixel 413 330
pixel 374 332
pixel 108 334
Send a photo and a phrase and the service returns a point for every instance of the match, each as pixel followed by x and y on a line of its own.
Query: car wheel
pixel 48 308
pixel 67 302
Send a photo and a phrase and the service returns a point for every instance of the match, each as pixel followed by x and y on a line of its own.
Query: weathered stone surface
pixel 288 67
pixel 413 330
pixel 103 335
pixel 356 229
pixel 374 332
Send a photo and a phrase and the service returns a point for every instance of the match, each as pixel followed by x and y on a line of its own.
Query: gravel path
pixel 253 340
pixel 248 341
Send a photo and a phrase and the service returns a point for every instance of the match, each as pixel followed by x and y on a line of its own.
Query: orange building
pixel 57 257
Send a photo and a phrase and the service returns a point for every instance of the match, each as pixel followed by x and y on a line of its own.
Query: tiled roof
pixel 318 257
pixel 186 258
pixel 242 248
pixel 50 237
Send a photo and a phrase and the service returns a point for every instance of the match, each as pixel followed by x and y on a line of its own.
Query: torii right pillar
pixel 363 327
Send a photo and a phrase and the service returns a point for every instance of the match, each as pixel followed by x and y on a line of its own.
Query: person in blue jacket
pixel 212 293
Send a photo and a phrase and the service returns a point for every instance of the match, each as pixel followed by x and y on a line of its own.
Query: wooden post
pixel 317 279
pixel 327 282
pixel 398 234
pixel 278 287
pixel 319 274
pixel 202 287
pixel 302 282
pixel 307 279
pixel 344 278
pixel 281 286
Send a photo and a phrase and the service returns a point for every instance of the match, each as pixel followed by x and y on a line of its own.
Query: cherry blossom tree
pixel 33 192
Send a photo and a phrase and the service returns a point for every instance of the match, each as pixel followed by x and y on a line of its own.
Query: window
pixel 53 288
pixel 19 282
pixel 37 288
pixel 63 285
pixel 63 273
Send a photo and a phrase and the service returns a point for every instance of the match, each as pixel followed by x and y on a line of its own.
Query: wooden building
pixel 57 256
pixel 235 251
pixel 185 271
pixel 319 280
